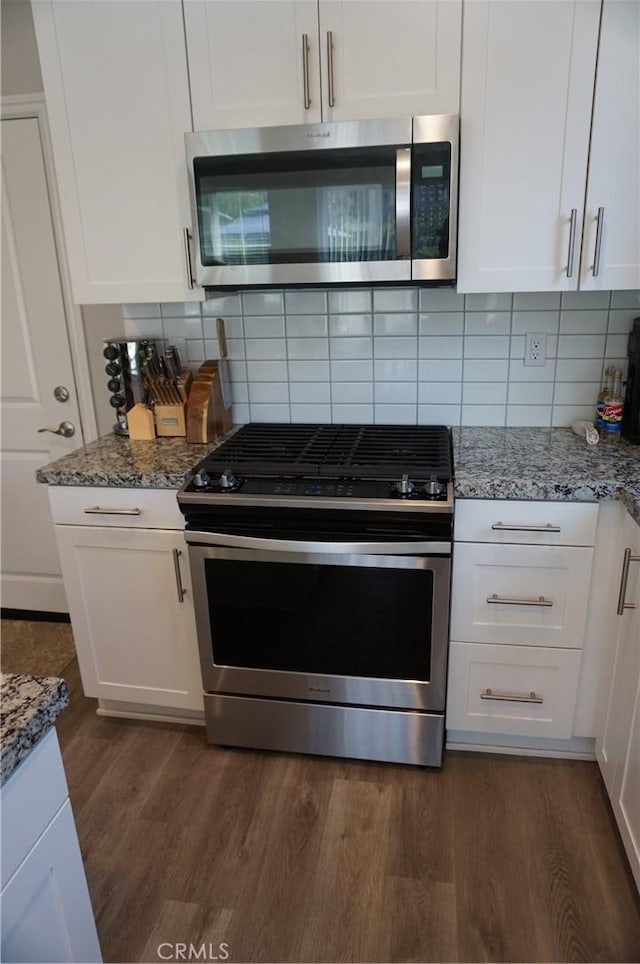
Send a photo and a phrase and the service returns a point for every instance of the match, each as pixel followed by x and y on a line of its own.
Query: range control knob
pixel 227 480
pixel 201 479
pixel 404 486
pixel 433 487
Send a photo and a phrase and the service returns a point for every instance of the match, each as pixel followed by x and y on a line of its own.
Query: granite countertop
pixel 490 463
pixel 30 706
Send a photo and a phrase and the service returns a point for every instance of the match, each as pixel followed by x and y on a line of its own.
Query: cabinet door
pixel 528 72
pixel 46 910
pixel 115 81
pixel 135 637
pixel 614 161
pixel 390 59
pixel 247 63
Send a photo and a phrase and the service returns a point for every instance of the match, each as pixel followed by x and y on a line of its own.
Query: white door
pixel 389 59
pixel 36 362
pixel 528 69
pixel 249 65
pixel 614 182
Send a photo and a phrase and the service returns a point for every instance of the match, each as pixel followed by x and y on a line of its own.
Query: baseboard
pixel 35 615
pixel 151 714
pixel 577 748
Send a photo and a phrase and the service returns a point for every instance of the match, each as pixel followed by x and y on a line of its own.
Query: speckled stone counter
pixel 29 707
pixel 539 463
pixel 490 463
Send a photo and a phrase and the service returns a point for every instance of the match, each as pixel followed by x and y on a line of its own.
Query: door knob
pixel 66 429
pixel 61 393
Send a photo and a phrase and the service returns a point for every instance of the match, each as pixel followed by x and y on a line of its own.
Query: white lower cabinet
pixel 618 745
pixel 130 599
pixel 520 593
pixel 45 904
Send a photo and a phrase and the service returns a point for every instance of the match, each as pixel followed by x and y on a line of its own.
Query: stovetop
pixel 333 464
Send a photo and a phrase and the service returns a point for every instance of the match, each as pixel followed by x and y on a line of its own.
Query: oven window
pixel 338 620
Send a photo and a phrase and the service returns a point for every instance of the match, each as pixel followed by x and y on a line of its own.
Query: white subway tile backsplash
pixel 351 392
pixel 484 393
pixel 394 414
pixel 346 299
pixel 441 323
pixel 536 300
pixel 583 322
pixel 401 354
pixel 438 414
pixel 487 323
pixel 267 348
pixel 395 299
pixel 351 371
pixel 440 346
pixel 307 326
pixel 395 324
pixel 305 302
pixel 395 393
pixel 263 326
pixel 262 303
pixel 350 325
pixel 440 299
pixel 395 369
pixel 439 370
pixel 310 348
pixel 351 347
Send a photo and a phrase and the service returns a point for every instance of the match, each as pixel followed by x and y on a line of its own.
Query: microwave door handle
pixel 403 202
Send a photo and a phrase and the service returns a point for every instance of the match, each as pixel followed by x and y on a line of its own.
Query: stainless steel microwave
pixel 354 201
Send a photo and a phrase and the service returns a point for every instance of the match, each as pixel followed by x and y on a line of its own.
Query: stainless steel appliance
pixel 353 201
pixel 320 561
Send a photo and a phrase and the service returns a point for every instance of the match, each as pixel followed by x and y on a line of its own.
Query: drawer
pixel 496 689
pixel 75 505
pixel 533 523
pixel 524 595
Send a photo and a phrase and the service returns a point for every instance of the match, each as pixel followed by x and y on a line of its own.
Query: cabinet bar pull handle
pixel 624 578
pixel 403 202
pixel 98 510
pixel 305 70
pixel 186 235
pixel 503 527
pixel 598 247
pixel 532 697
pixel 176 565
pixel 515 601
pixel 332 97
pixel 572 241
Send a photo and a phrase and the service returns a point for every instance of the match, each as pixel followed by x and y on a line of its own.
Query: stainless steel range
pixel 320 558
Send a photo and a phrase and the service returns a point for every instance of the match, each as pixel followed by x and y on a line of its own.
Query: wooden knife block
pixel 207 416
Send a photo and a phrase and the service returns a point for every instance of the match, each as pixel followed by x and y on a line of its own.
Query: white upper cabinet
pixel 249 64
pixel 613 186
pixel 257 63
pixel 527 88
pixel 116 86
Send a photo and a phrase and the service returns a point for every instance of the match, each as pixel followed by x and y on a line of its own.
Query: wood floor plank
pixel 197 927
pixel 421 918
pixel 421 842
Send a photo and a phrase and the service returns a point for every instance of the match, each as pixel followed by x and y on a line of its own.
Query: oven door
pixel 346 627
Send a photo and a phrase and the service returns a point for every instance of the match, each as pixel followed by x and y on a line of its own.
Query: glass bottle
pixel 612 410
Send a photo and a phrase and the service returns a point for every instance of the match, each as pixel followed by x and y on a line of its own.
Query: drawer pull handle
pixel 182 592
pixel 624 578
pixel 98 510
pixel 503 527
pixel 531 697
pixel 523 601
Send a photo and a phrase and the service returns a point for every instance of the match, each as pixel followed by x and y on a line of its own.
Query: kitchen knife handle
pixel 331 89
pixel 176 565
pixel 572 241
pixel 305 70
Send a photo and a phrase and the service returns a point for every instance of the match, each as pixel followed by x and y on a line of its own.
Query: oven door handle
pixel 342 548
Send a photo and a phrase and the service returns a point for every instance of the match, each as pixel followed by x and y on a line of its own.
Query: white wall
pixel 403 355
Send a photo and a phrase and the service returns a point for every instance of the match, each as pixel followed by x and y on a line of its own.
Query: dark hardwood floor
pixel 291 858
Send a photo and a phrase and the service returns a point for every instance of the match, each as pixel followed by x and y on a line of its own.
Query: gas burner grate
pixel 356 451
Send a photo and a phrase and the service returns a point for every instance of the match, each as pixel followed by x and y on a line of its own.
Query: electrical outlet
pixel 535 349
